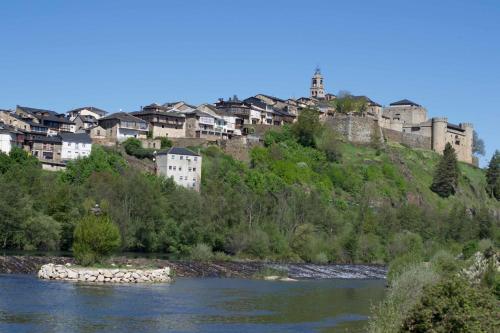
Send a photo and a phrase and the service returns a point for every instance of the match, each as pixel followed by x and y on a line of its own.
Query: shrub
pixel 405 290
pixel 484 244
pixel 406 243
pixel 470 248
pixel 444 263
pixel 201 252
pixel 133 147
pixel 321 258
pixel 165 142
pixel 95 239
pixel 454 305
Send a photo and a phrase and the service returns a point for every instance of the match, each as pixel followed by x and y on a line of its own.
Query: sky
pixel 121 55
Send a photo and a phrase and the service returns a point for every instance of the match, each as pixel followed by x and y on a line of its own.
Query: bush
pixel 406 243
pixel 405 290
pixel 469 249
pixel 444 263
pixel 165 142
pixel 201 252
pixel 95 239
pixel 133 147
pixel 484 244
pixel 454 306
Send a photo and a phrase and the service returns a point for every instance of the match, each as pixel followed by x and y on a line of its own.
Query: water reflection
pixel 188 305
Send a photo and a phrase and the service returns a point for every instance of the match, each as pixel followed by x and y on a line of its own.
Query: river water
pixel 187 305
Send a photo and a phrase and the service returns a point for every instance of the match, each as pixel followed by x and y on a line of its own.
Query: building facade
pixel 75 145
pixel 182 165
pixel 121 126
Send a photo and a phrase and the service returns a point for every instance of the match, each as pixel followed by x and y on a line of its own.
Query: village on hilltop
pixel 56 138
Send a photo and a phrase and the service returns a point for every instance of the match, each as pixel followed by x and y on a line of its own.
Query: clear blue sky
pixel 123 54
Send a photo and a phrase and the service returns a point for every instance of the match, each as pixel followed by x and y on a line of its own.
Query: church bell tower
pixel 317 88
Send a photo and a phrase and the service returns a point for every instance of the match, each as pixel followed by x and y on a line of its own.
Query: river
pixel 28 304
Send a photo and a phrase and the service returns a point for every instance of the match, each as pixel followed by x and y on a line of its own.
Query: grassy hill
pixel 305 195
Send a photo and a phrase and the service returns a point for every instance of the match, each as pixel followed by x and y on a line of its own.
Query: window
pixel 196 159
pixel 194 179
pixel 194 169
pixel 180 168
pixel 174 167
pixel 189 169
pixel 180 177
pixel 169 167
pixel 181 157
pixel 173 157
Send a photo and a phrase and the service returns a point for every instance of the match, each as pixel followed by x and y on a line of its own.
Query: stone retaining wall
pixel 105 275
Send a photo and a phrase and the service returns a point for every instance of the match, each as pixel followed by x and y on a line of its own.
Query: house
pixel 83 122
pixel 75 145
pixel 182 165
pixel 55 122
pixel 240 110
pixel 96 133
pixel 10 138
pixel 205 124
pixel 46 148
pixel 121 126
pixel 180 106
pixel 92 111
pixel 163 121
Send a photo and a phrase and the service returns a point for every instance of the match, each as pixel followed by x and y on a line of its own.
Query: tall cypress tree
pixel 493 176
pixel 445 179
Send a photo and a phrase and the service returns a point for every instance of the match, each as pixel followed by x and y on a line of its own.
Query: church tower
pixel 317 88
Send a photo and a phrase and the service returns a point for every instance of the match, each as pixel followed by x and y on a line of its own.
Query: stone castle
pixel 403 121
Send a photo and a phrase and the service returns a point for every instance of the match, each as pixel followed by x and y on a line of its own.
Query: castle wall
pixel 408 139
pixel 355 129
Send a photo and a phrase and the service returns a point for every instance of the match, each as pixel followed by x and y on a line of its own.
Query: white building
pixel 182 165
pixel 87 111
pixel 75 145
pixel 8 138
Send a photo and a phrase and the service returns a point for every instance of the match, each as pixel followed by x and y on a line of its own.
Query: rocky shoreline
pixel 240 269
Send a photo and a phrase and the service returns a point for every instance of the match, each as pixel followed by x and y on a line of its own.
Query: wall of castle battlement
pixel 408 139
pixel 355 129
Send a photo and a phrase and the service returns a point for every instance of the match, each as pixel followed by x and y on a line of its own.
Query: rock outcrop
pixel 103 275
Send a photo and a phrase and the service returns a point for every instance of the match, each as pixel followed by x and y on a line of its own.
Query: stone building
pixel 406 111
pixel 163 121
pixel 121 126
pixel 182 165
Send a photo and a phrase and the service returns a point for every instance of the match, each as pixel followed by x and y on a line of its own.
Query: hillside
pixel 305 195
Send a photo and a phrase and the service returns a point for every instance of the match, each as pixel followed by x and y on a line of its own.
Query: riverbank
pixel 239 269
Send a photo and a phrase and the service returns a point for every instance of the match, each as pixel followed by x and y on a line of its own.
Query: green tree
pixel 307 127
pixel 99 160
pixel 95 238
pixel 445 179
pixel 493 176
pixel 477 144
pixel 347 103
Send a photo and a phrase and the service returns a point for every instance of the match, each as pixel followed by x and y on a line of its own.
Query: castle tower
pixel 469 133
pixel 439 126
pixel 317 88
